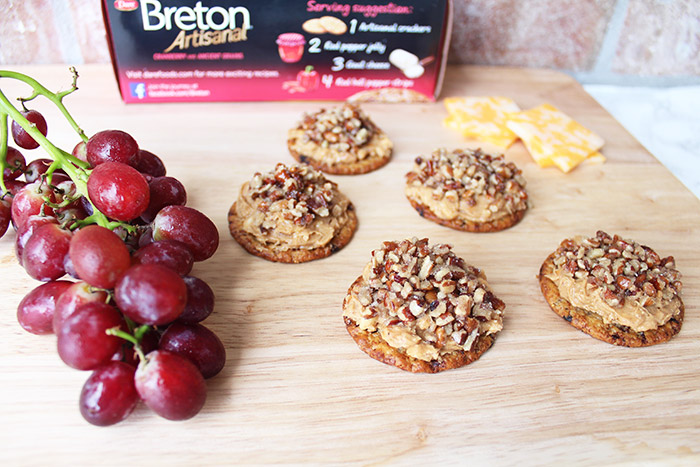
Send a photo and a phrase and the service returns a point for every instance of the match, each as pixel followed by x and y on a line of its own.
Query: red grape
pixel 163 191
pixel 66 192
pixel 5 214
pixel 14 186
pixel 200 301
pixel 36 310
pixel 85 204
pixel 130 239
pixel 30 201
pixel 27 229
pixel 146 237
pixel 36 168
pixel 20 135
pixel 188 226
pixel 82 340
pixel 118 190
pixel 75 296
pixel 16 164
pixel 99 256
pixel 149 341
pixel 66 216
pixel 151 294
pixel 68 265
pixel 45 252
pixel 80 151
pixel 168 253
pixel 109 394
pixel 111 146
pixel 150 164
pixel 196 343
pixel 170 385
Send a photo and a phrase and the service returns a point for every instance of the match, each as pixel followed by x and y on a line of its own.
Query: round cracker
pixel 354 168
pixel 333 25
pixel 466 225
pixel 313 26
pixel 376 347
pixel 254 247
pixel 593 325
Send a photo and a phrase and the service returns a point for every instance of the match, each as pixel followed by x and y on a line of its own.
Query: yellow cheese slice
pixel 554 138
pixel 482 118
pixel 452 122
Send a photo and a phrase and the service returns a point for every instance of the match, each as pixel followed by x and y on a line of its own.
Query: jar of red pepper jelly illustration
pixel 291 46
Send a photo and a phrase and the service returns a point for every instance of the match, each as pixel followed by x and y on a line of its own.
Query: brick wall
pixel 597 40
pixel 623 41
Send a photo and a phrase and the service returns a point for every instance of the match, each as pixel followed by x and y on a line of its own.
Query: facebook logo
pixel 138 90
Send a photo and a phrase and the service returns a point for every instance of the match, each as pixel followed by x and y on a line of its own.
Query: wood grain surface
pixel 296 389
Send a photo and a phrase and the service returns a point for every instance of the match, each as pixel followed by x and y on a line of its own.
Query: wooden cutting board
pixel 297 389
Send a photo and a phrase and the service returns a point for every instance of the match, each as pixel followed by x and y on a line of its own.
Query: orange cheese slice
pixel 554 138
pixel 482 118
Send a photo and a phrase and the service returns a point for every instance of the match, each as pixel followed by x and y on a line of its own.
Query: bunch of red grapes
pixel 110 218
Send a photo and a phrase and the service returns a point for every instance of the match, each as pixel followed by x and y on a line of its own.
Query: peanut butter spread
pixel 292 207
pixel 424 300
pixel 467 184
pixel 623 282
pixel 340 135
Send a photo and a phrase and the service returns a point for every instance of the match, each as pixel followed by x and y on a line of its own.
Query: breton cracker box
pixel 268 50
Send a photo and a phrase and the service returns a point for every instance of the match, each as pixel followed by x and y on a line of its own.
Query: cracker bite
pixel 614 289
pixel 467 190
pixel 292 214
pixel 341 140
pixel 421 308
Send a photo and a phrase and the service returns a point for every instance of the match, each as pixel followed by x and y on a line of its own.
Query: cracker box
pixel 263 50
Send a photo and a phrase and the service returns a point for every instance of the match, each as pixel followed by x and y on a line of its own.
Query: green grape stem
pixel 56 98
pixel 76 169
pixel 134 339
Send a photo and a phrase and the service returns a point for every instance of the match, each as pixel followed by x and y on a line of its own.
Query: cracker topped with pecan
pixel 467 190
pixel 614 289
pixel 421 308
pixel 341 140
pixel 292 214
